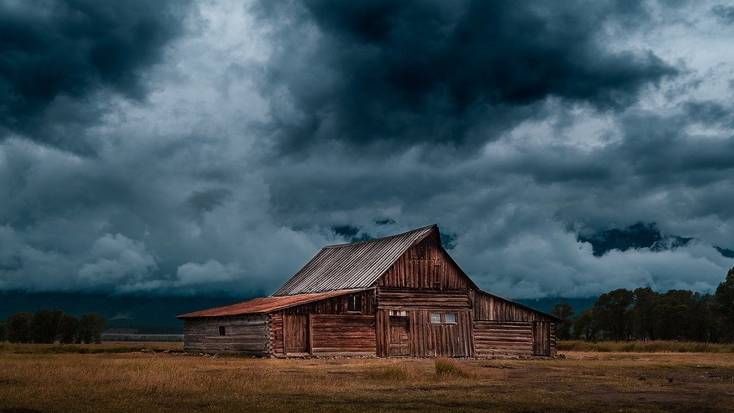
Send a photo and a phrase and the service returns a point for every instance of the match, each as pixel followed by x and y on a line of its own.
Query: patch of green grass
pixel 652 346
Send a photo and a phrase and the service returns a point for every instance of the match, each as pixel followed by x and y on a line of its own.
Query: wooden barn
pixel 401 295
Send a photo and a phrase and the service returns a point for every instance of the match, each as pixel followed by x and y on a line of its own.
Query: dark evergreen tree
pixel 724 298
pixel 613 313
pixel 19 327
pixel 45 326
pixel 90 328
pixel 68 329
pixel 565 312
pixel 586 327
pixel 643 313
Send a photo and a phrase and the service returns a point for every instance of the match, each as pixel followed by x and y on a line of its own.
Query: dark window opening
pixel 222 331
pixel 354 303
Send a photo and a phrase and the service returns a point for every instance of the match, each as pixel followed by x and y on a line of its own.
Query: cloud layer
pixel 213 148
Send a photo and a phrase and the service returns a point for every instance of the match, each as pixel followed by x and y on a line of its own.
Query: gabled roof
pixel 265 304
pixel 350 266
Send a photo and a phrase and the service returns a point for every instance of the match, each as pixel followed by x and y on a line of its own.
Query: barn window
pixel 398 313
pixel 450 318
pixel 222 331
pixel 435 318
pixel 354 303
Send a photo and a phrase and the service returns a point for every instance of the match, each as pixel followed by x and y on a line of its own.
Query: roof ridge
pixel 379 239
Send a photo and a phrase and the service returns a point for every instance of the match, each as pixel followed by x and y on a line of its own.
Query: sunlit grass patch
pixel 448 368
pixel 393 372
pixel 652 346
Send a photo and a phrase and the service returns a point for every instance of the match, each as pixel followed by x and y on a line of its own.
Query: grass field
pixel 121 378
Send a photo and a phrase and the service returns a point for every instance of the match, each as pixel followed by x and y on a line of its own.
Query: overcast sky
pixel 209 147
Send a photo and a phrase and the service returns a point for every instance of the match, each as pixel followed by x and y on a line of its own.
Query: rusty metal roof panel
pixel 349 266
pixel 266 304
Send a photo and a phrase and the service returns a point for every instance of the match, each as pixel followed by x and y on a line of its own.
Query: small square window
pixel 450 318
pixel 435 318
pixel 222 331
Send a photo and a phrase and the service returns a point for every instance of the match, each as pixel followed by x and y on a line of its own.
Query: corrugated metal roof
pixel 348 266
pixel 265 304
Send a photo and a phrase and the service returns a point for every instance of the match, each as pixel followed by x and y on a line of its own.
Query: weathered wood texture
pixel 491 308
pixel 425 339
pixel 321 322
pixel 425 266
pixel 295 331
pixel 503 338
pixel 338 305
pixel 352 334
pixel 248 334
pixel 404 298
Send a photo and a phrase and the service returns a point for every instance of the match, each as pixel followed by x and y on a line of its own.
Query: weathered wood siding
pixel 247 334
pixel 490 308
pixel 425 266
pixel 343 334
pixel 331 328
pixel 337 305
pixel 404 298
pixel 426 339
pixel 493 338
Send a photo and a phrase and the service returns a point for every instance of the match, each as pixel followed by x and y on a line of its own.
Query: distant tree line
pixel 50 326
pixel 644 314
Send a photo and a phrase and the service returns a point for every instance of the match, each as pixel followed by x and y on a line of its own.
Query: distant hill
pixel 546 304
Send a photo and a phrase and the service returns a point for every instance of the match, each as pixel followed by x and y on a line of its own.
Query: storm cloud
pixel 446 72
pixel 213 148
pixel 57 53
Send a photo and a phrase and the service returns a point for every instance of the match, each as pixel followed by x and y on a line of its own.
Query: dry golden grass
pixel 653 346
pixel 175 382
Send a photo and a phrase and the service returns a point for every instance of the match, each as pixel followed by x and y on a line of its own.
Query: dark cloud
pixel 207 200
pixel 57 53
pixel 635 236
pixel 513 126
pixel 726 252
pixel 351 233
pixel 447 72
pixel 724 13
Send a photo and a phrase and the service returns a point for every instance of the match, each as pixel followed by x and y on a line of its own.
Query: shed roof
pixel 266 304
pixel 349 266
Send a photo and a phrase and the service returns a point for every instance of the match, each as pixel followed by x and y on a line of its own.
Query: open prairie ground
pixel 121 378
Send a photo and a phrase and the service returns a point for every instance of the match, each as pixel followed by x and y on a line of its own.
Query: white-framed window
pixel 450 318
pixel 435 318
pixel 398 313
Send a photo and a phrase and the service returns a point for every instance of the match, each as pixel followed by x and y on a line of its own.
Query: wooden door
pixel 295 333
pixel 541 338
pixel 399 336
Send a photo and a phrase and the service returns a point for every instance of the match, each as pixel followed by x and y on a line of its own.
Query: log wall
pixel 247 334
pixel 331 328
pixel 342 334
pixel 503 338
pixel 491 308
